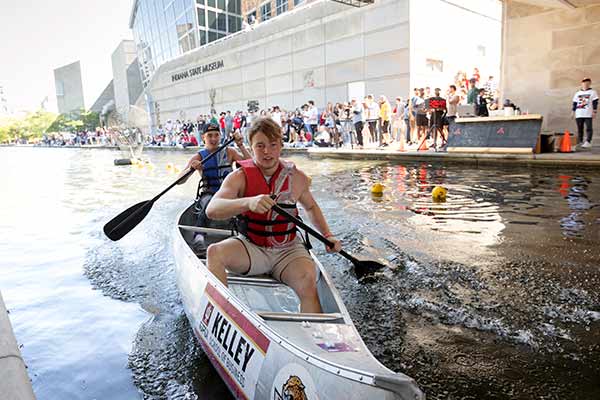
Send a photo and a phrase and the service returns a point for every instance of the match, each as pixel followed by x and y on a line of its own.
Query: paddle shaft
pixel 191 170
pixel 313 232
pixel 127 220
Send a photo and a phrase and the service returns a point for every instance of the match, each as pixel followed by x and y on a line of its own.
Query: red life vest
pixel 269 229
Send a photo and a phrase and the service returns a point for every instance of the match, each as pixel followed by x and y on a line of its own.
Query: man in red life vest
pixel 269 244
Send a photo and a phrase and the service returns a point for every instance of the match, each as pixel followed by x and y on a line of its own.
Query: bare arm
pixel 227 202
pixel 194 162
pixel 235 155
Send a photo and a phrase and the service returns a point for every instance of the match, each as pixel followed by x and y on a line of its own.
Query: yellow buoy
pixel 140 165
pixel 438 194
pixel 176 170
pixel 169 166
pixel 377 189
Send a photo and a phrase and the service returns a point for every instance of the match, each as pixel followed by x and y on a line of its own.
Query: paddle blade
pixel 120 225
pixel 366 267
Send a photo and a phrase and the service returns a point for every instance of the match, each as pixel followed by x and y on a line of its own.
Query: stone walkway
pixel 14 381
pixel 580 158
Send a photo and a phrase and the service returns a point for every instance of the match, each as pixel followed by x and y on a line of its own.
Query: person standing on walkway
pixel 473 92
pixel 453 100
pixel 585 108
pixel 385 115
pixel 372 110
pixel 357 119
pixel 313 118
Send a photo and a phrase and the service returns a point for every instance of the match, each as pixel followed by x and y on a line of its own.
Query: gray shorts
pixel 273 260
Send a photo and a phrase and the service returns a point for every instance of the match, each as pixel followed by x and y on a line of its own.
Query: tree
pixel 36 124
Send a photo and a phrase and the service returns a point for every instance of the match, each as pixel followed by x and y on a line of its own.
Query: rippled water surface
pixel 492 294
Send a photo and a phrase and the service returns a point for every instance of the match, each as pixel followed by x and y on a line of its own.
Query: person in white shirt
pixel 313 117
pixel 585 108
pixel 276 115
pixel 372 109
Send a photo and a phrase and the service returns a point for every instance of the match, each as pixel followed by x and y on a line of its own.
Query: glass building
pixel 165 29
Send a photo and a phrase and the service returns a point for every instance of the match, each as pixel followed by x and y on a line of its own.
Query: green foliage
pixel 35 124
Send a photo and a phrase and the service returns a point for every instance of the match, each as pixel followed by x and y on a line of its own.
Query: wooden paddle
pixel 361 267
pixel 123 223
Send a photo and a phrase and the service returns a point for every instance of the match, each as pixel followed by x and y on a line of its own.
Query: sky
pixel 38 36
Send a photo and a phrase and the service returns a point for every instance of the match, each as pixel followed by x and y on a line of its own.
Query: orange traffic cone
pixel 423 145
pixel 565 144
pixel 401 144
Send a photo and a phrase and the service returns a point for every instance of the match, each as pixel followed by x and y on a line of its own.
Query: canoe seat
pixel 299 317
pixel 260 280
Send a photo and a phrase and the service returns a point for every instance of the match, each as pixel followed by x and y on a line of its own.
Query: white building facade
pixel 329 52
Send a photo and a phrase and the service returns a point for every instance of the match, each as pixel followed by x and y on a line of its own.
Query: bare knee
pixel 213 258
pixel 306 286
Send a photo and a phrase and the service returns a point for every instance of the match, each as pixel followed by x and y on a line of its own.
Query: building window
pixel 296 2
pixel 202 34
pixel 234 7
pixel 184 44
pixel 212 19
pixel 251 17
pixel 265 11
pixel 212 36
pixel 200 2
pixel 201 17
pixel 211 3
pixel 222 22
pixel 481 51
pixel 281 6
pixel 234 23
pixel 60 88
pixel 221 5
pixel 192 37
pixel 434 65
pixel 178 7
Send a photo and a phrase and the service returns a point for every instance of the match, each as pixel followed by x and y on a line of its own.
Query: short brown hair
pixel 268 127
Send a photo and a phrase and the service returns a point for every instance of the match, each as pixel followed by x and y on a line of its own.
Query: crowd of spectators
pixel 367 122
pixel 99 137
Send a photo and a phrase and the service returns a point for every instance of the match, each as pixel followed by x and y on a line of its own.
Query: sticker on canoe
pixel 339 347
pixel 234 345
pixel 293 382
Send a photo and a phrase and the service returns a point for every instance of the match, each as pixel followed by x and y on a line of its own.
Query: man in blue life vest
pixel 268 243
pixel 215 170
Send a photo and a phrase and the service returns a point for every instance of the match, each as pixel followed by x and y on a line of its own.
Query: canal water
pixel 492 294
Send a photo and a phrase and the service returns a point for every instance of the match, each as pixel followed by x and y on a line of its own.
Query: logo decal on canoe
pixel 207 313
pixel 292 389
pixel 293 382
pixel 234 345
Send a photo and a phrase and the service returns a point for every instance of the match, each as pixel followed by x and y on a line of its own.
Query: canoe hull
pixel 255 361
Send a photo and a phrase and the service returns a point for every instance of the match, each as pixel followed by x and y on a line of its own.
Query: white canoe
pixel 263 348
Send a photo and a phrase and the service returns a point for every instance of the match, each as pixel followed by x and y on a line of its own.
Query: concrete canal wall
pixel 14 381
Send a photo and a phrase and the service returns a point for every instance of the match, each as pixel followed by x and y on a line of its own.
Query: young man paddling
pixel 215 170
pixel 269 243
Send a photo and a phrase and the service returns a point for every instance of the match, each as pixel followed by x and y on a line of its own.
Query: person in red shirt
pixel 222 126
pixel 237 121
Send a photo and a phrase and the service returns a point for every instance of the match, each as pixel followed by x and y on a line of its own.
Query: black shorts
pixel 422 120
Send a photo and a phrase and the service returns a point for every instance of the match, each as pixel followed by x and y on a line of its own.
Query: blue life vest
pixel 214 171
